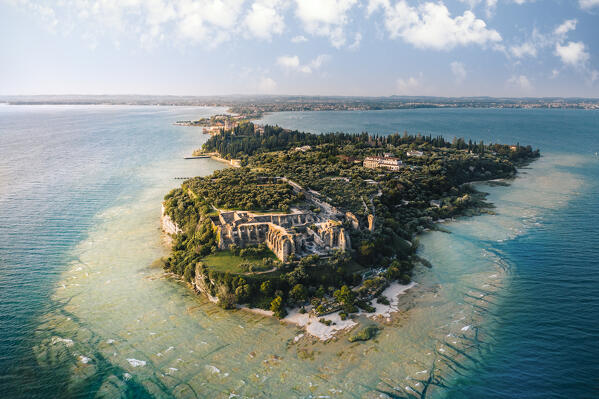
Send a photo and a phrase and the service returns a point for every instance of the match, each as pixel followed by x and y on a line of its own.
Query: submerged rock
pixel 365 334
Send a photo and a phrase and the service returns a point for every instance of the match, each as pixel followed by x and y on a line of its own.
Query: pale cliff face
pixel 168 226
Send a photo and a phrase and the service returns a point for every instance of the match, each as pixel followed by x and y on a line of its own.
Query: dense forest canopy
pixel 246 140
pixel 242 188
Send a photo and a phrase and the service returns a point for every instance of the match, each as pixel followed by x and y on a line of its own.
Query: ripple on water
pixel 155 333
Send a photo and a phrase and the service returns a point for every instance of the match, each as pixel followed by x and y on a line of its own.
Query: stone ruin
pixel 285 234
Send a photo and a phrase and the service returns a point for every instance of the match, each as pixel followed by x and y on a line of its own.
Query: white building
pixel 390 163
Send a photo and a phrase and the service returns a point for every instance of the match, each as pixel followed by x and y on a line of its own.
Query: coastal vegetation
pixel 323 175
pixel 243 188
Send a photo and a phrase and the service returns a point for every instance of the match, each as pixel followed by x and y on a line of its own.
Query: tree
pixel 320 292
pixel 242 292
pixel 226 299
pixel 245 266
pixel 189 272
pixel 346 297
pixel 266 287
pixel 298 275
pixel 278 308
pixel 299 293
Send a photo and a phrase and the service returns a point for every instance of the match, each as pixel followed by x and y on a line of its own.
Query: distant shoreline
pixel 254 105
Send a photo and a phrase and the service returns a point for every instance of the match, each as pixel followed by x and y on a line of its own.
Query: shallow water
pixel 86 311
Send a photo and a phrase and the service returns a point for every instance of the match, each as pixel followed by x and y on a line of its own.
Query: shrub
pixel 325 321
pixel 405 279
pixel 245 267
pixel 382 299
pixel 366 306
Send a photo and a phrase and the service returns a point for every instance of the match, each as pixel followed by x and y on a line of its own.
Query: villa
pixel 386 162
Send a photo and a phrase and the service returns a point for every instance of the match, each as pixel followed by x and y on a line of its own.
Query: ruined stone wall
pixel 331 235
pixel 287 220
pixel 243 229
pixel 277 238
pixel 249 234
pixel 280 242
pixel 371 222
pixel 355 223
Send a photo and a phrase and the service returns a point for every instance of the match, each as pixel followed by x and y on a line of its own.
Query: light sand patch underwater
pixel 122 325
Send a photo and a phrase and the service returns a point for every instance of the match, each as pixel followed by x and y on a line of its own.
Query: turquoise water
pixel 544 328
pixel 509 308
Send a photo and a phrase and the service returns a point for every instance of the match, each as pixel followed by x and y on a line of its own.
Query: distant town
pixel 254 107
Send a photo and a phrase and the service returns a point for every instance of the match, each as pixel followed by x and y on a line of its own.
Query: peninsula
pixel 322 223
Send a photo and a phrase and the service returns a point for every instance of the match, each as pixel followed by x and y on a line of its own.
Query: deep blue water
pixel 60 166
pixel 546 331
pixel 545 339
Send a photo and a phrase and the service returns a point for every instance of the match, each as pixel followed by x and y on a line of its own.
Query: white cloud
pixel 267 85
pixel 325 18
pixel 209 21
pixel 567 26
pixel 45 12
pixel 288 61
pixel 317 62
pixel 292 63
pixel 538 41
pixel 459 71
pixel 490 5
pixel 430 25
pixel 357 40
pixel 409 86
pixel 264 20
pixel 573 53
pixel 521 82
pixel 524 49
pixel 299 39
pixel 588 4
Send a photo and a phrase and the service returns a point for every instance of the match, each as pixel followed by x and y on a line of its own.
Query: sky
pixel 513 48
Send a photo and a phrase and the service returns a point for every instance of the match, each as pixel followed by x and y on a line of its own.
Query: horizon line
pixel 208 96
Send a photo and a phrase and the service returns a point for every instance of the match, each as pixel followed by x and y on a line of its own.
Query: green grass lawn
pixel 226 261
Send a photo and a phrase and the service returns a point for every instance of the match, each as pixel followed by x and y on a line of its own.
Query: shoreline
pixel 312 326
pixel 216 157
